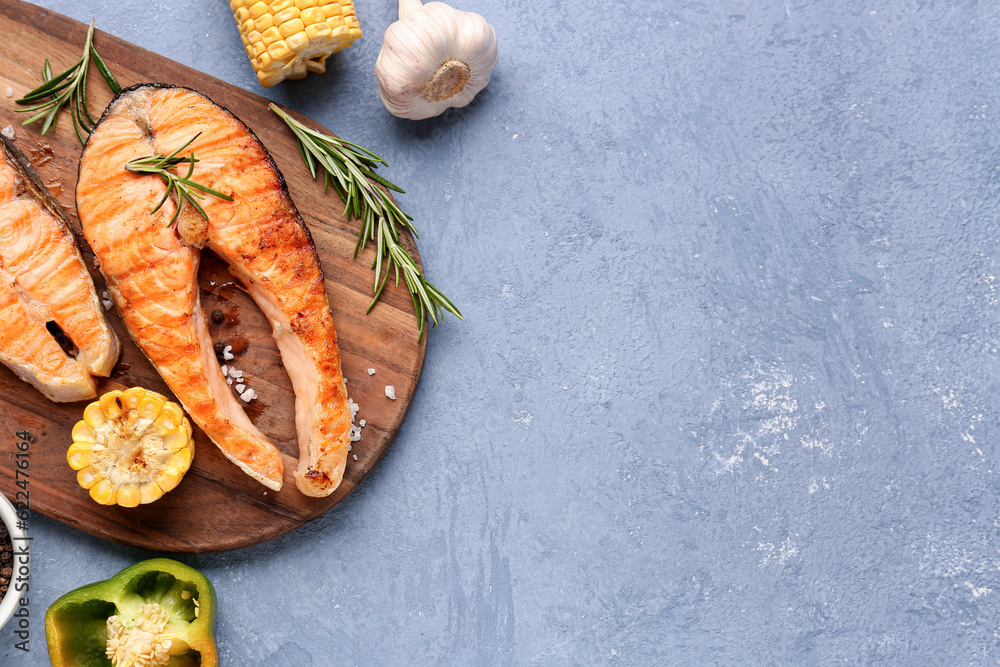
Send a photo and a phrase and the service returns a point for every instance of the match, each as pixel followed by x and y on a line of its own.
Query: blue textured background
pixel 727 388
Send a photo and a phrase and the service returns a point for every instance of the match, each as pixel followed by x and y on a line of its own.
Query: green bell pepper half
pixel 158 603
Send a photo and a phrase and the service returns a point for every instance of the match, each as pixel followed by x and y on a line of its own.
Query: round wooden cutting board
pixel 216 507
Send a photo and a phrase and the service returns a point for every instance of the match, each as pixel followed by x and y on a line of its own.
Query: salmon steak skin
pixel 43 280
pixel 152 272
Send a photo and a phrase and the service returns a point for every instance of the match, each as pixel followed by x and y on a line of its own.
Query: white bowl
pixel 19 565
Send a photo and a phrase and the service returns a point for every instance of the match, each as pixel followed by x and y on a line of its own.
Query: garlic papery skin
pixel 434 58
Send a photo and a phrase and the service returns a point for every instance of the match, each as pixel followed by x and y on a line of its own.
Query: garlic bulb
pixel 435 57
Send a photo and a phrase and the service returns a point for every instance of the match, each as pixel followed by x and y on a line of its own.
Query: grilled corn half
pixel 131 447
pixel 286 39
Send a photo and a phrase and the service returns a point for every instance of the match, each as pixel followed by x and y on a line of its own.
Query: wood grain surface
pixel 216 507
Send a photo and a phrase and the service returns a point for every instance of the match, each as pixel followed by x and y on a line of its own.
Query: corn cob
pixel 131 447
pixel 286 39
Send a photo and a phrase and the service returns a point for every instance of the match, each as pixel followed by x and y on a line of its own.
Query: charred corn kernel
pixel 131 447
pixel 286 39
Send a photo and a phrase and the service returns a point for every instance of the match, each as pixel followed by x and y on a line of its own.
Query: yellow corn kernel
pixel 150 407
pixel 93 416
pixel 256 10
pixel 80 455
pixel 286 15
pixel 318 31
pixel 312 15
pixel 295 26
pixel 104 492
pixel 177 440
pixel 149 492
pixel 88 477
pixel 82 432
pixel 263 23
pixel 128 496
pixel 270 36
pixel 297 41
pixel 168 478
pixel 279 51
pixel 131 447
pixel 285 39
pixel 265 63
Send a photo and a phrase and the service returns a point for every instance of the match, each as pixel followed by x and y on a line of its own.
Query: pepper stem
pixel 407 7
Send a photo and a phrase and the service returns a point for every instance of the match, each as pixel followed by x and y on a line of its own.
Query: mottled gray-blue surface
pixel 726 392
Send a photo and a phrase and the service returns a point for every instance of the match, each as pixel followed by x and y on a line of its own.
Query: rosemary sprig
pixel 183 186
pixel 68 88
pixel 348 167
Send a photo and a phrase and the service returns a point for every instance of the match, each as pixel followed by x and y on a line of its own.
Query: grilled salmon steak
pixel 43 279
pixel 152 272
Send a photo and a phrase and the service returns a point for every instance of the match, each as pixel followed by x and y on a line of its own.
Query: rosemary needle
pixel 186 189
pixel 68 89
pixel 348 167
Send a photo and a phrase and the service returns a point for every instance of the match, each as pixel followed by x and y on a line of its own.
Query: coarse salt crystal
pixel 8 131
pixel 371 371
pixel 355 457
pixel 248 395
pixel 235 373
pixel 363 423
pixel 240 388
pixel 390 391
pixel 107 304
pixel 225 370
pixel 229 381
pixel 227 353
pixel 350 447
pixel 10 92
